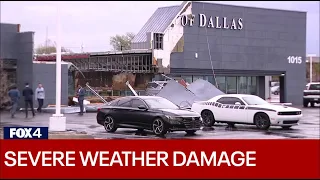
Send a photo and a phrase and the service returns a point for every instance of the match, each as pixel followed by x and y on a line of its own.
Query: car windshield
pixel 160 103
pixel 254 100
pixel 314 87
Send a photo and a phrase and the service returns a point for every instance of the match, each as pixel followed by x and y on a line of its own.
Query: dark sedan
pixel 147 113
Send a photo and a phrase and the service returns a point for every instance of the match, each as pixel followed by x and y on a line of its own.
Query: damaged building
pixel 108 72
pixel 16 55
pixel 234 48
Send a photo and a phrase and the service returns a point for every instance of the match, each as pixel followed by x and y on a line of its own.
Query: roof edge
pixel 183 5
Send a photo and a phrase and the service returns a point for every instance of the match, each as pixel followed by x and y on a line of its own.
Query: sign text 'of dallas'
pixel 212 22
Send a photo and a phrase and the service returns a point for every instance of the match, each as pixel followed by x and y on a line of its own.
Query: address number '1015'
pixel 294 59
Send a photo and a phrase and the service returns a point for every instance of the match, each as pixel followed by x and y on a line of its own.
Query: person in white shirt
pixel 40 96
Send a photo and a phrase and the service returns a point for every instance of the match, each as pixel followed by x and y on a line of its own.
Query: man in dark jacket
pixel 28 94
pixel 80 94
pixel 14 95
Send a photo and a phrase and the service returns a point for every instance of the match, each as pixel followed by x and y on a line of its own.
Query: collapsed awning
pixel 200 90
pixel 204 90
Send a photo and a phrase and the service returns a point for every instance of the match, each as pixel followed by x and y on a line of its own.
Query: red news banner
pixel 160 159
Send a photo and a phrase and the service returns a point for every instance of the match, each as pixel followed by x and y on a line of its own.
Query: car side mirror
pixel 142 107
pixel 237 103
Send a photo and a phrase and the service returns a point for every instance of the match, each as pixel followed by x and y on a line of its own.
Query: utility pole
pixel 82 47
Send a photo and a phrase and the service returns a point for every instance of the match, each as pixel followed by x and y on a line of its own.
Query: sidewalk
pixel 77 127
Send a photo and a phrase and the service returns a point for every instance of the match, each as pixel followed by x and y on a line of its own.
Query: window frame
pixel 126 100
pixel 238 100
pixel 158 41
pixel 141 100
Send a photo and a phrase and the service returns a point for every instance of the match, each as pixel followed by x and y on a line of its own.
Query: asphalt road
pixel 309 127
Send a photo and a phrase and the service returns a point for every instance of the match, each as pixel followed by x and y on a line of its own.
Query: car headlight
pixel 174 120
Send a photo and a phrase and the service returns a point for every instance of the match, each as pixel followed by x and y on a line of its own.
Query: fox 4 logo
pixel 26 133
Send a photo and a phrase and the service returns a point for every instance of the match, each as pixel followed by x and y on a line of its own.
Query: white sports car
pixel 246 109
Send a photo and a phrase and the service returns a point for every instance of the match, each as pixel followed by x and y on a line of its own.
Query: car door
pixel 140 117
pixel 219 109
pixel 231 112
pixel 121 111
pixel 237 112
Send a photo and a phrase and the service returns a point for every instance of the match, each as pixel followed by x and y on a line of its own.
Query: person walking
pixel 80 94
pixel 39 96
pixel 14 95
pixel 28 93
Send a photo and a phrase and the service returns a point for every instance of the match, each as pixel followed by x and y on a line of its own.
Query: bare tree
pixel 122 42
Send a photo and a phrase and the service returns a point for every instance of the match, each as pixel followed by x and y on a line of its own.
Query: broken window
pixel 158 40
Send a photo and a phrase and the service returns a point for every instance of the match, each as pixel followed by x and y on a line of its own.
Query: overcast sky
pixel 92 23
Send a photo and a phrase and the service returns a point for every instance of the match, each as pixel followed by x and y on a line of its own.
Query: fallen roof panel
pixel 178 94
pixel 204 90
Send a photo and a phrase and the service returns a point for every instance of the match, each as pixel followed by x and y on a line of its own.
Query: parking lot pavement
pixel 309 127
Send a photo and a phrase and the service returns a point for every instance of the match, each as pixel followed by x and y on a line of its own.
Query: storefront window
pixel 249 85
pixel 188 79
pixel 197 77
pixel 232 85
pixel 221 81
pixel 210 79
pixel 253 85
pixel 242 85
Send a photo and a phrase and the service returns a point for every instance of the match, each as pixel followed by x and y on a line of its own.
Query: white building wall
pixel 171 37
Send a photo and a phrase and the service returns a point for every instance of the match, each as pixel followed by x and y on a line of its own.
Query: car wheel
pixel 191 132
pixel 262 121
pixel 109 124
pixel 286 127
pixel 312 104
pixel 305 103
pixel 208 118
pixel 159 127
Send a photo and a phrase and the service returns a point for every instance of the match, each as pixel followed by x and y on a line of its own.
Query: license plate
pixel 316 99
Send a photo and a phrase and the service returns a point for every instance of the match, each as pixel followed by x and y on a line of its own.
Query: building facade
pixel 233 47
pixel 16 56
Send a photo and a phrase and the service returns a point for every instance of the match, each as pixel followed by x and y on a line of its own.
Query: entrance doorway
pixel 276 89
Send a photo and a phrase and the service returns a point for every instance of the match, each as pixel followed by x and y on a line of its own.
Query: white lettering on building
pixel 213 22
pixel 294 59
